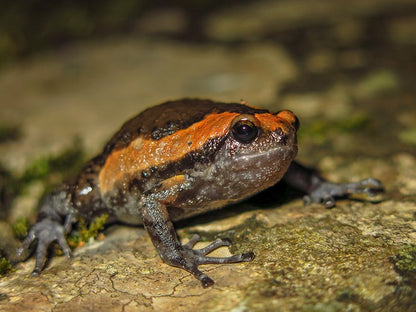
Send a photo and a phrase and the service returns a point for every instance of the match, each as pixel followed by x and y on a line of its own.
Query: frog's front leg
pixel 319 190
pixel 55 220
pixel 158 224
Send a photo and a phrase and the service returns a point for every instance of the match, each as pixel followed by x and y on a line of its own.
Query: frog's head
pixel 257 151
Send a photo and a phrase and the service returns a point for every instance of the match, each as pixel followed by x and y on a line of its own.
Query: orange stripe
pixel 287 115
pixel 271 122
pixel 144 153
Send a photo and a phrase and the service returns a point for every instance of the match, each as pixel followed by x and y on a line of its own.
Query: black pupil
pixel 245 131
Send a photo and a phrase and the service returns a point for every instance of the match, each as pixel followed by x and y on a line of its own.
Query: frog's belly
pixel 131 215
pixel 180 212
pixel 128 213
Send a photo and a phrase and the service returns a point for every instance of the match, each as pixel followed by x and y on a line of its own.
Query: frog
pixel 174 161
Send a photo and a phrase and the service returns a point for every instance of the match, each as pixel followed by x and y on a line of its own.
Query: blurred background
pixel 74 71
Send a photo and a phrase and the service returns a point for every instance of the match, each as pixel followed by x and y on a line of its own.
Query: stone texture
pixel 305 257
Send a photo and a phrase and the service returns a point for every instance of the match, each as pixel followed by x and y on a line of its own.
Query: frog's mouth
pixel 253 172
pixel 276 154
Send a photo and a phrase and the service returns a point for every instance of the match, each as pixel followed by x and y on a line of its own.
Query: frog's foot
pixel 45 232
pixel 326 192
pixel 189 259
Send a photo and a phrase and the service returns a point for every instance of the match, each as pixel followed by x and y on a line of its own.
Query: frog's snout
pixel 289 117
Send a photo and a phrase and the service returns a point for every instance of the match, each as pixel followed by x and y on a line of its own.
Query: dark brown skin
pixel 180 159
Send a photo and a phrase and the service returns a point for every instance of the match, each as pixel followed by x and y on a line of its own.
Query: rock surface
pixel 353 91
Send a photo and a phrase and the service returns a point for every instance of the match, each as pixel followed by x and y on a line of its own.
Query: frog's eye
pixel 244 131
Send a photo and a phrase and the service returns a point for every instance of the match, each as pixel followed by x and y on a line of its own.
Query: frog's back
pixel 165 119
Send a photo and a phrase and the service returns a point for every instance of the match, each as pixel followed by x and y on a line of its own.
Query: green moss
pixel 319 129
pixel 66 163
pixel 5 266
pixel 51 170
pixel 405 262
pixel 95 226
pixel 85 231
pixel 37 170
pixel 20 228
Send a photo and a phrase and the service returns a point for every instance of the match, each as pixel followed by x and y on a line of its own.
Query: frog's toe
pixel 24 250
pixel 247 257
pixel 203 259
pixel 219 242
pixel 194 239
pixel 41 251
pixel 206 281
pixel 320 198
pixel 370 187
pixel 214 245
